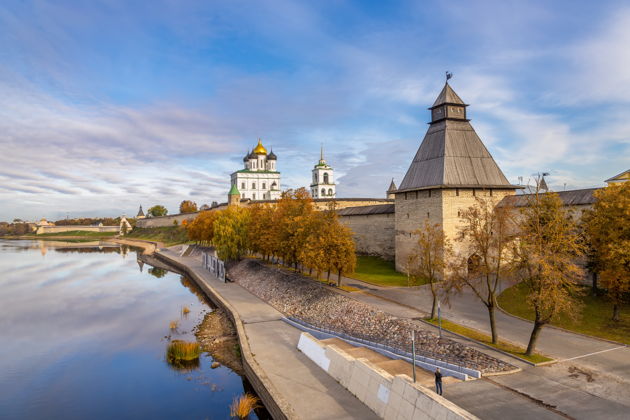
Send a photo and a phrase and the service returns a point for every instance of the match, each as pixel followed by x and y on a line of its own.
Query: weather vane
pixel 448 75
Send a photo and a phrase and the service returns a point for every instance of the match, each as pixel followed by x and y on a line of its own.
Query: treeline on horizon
pixel 292 232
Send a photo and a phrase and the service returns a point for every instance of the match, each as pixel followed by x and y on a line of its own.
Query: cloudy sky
pixel 105 105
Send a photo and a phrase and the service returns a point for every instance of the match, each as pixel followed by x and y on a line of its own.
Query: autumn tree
pixel 487 233
pixel 157 211
pixel 432 253
pixel 313 254
pixel 293 211
pixel 187 206
pixel 201 228
pixel 607 228
pixel 548 246
pixel 261 231
pixel 230 233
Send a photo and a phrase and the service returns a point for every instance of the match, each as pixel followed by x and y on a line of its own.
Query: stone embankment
pixel 297 296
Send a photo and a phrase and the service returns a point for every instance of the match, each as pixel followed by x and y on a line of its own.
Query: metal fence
pixel 214 265
pixel 422 357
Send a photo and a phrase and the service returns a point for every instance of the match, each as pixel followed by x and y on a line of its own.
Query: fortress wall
pixel 412 209
pixel 162 221
pixel 70 228
pixel 374 234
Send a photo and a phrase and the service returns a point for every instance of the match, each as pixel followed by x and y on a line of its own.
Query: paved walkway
pixel 310 391
pixel 591 380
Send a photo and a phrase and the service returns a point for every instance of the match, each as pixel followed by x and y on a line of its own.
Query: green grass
pixel 379 271
pixel 595 319
pixel 170 235
pixel 486 339
pixel 81 233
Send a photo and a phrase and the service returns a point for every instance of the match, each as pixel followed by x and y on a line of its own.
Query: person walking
pixel 438 381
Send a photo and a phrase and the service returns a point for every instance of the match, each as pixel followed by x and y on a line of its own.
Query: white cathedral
pixel 260 180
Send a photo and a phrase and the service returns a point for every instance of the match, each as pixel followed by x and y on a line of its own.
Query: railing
pixel 214 265
pixel 423 358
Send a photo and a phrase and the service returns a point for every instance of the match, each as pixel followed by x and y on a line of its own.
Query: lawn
pixel 595 318
pixel 169 235
pixel 486 339
pixel 379 271
pixel 77 233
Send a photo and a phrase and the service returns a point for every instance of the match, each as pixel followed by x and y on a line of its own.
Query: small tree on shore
pixel 157 211
pixel 546 255
pixel 230 233
pixel 487 232
pixel 187 206
pixel 201 228
pixel 432 253
pixel 607 228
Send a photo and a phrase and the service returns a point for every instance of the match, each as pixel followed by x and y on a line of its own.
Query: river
pixel 83 334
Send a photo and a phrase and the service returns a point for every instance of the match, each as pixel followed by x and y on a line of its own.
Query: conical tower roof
pixel 448 96
pixel 452 155
pixel 392 187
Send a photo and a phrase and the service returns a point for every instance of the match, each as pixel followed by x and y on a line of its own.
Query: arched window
pixel 254 196
pixel 273 186
pixel 315 178
pixel 323 192
pixel 329 191
pixel 243 186
pixel 264 185
pixel 253 185
pixel 325 177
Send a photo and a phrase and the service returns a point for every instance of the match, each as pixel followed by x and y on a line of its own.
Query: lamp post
pixel 439 319
pixel 413 353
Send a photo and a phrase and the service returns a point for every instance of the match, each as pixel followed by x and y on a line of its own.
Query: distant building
pixel 323 185
pixel 140 214
pixel 259 179
pixel 622 177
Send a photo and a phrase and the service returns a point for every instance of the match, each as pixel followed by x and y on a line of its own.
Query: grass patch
pixel 595 320
pixel 379 271
pixel 169 235
pixel 81 233
pixel 486 339
pixel 185 310
pixel 243 405
pixel 173 325
pixel 183 350
pixel 349 288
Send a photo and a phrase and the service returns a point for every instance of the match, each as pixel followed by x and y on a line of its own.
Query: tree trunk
pixel 328 277
pixel 615 316
pixel 339 279
pixel 434 307
pixel 534 338
pixel 595 291
pixel 493 324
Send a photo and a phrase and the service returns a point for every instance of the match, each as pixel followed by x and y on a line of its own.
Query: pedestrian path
pixel 310 391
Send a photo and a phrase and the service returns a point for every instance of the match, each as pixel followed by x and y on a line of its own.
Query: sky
pixel 106 105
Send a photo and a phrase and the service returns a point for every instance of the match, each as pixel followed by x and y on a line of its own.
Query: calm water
pixel 83 335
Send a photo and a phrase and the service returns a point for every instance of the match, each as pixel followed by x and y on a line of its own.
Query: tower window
pixel 325 177
pixel 330 191
pixel 323 192
pixel 429 193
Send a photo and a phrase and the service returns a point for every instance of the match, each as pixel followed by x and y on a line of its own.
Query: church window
pixel 314 178
pixel 253 185
pixel 323 192
pixel 264 185
pixel 330 191
pixel 253 196
pixel 243 186
pixel 325 177
pixel 242 195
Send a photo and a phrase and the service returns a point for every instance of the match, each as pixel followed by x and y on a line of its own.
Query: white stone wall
pixel 390 397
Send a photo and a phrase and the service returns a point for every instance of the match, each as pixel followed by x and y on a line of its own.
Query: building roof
pixel 272 156
pixel 367 210
pixel 234 190
pixel 569 198
pixel 140 212
pixel 619 177
pixel 259 149
pixel 392 187
pixel 448 96
pixel 452 155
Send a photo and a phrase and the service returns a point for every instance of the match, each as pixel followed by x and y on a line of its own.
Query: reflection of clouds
pixel 67 303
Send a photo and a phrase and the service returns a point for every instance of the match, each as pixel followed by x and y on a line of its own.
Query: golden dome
pixel 260 149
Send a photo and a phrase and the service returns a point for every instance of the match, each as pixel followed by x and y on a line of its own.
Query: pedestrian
pixel 438 381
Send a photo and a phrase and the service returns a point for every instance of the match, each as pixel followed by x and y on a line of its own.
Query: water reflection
pixel 84 335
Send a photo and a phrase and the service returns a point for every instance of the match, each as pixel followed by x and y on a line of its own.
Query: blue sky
pixel 105 105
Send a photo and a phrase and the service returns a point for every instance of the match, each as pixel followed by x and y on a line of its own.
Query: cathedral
pixel 259 179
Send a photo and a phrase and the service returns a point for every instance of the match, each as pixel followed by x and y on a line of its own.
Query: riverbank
pixel 288 383
pixel 148 247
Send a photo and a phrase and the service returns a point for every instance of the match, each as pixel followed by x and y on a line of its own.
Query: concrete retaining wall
pixel 390 397
pixel 70 228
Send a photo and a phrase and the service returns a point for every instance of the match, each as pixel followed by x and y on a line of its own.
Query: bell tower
pixel 323 185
